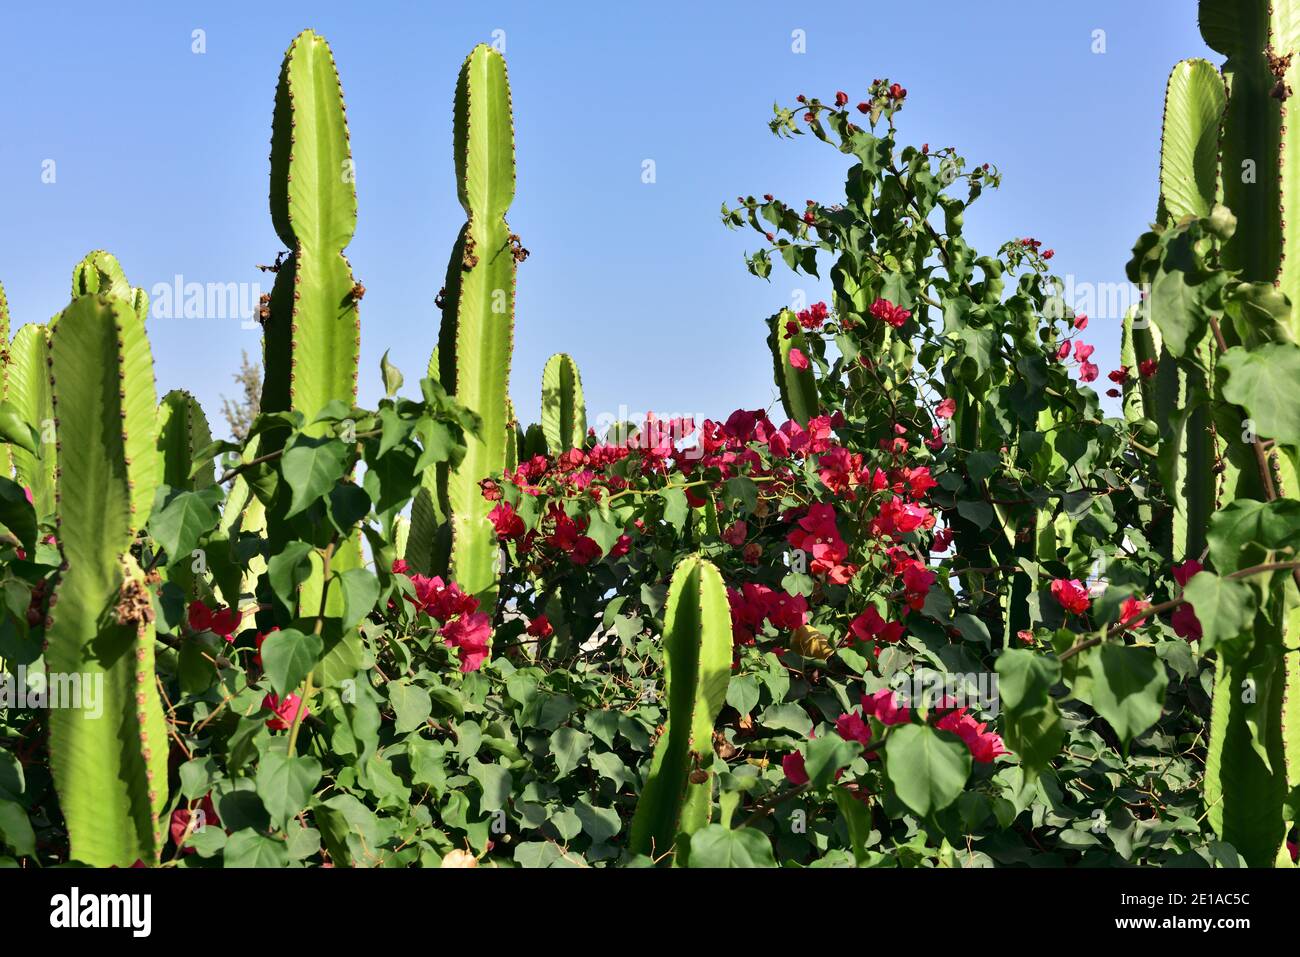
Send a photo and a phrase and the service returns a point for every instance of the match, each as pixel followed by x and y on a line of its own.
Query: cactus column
pixel 677 799
pixel 474 343
pixel 108 756
pixel 312 340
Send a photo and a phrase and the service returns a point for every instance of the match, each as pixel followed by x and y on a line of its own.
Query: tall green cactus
pixel 1226 141
pixel 110 768
pixel 797 387
pixel 182 432
pixel 312 338
pixel 677 799
pixel 564 413
pixel 28 384
pixel 472 360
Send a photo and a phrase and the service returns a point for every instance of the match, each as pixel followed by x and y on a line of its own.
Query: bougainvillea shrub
pixel 961 597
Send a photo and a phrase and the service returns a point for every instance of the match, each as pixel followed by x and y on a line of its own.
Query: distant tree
pixel 240 412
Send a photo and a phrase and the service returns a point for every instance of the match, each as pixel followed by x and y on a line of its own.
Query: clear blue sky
pixel 161 157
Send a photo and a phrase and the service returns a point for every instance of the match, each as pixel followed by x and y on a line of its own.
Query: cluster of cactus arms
pixel 109 768
pixel 1220 323
pixel 450 531
pixel 677 800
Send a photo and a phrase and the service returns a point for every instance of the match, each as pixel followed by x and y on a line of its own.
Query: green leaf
pixel 718 846
pixel 1128 688
pixel 391 374
pixel 247 848
pixel 287 571
pixel 360 591
pixel 17 514
pixel 186 517
pixel 285 784
pixel 926 770
pixel 289 656
pixel 825 756
pixel 14 428
pixel 568 747
pixel 1224 607
pixel 411 705
pixel 311 468
pixel 1263 381
pixel 495 782
pixel 15 829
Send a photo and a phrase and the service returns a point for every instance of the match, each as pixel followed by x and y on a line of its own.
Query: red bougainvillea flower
pixel 870 625
pixel 222 621
pixel 798 360
pixel 814 316
pixel 984 745
pixel 886 707
pixel 1118 376
pixel 1081 321
pixel 1147 367
pixel 204 815
pixel 942 539
pixel 540 627
pixel 1131 611
pixel 946 409
pixel 841 98
pixel 851 727
pixel 1183 573
pixel 1026 636
pixel 1064 351
pixel 1186 624
pixel 400 567
pixel 736 533
pixel 284 711
pixel 1071 594
pixel 622 545
pixel 890 314
pixel 1049 253
pixel 506 522
pixel 792 765
pixel 470 634
pixel 1082 351
pixel 1088 371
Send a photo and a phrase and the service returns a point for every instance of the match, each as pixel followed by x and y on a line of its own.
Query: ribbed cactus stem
pixel 678 794
pixel 478 310
pixel 109 763
pixel 312 338
pixel 564 413
pixel 797 387
pixel 182 432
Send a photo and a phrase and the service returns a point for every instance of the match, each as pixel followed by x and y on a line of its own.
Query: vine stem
pixel 1170 605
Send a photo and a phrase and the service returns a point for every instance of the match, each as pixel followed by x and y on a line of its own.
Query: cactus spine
pixel 564 414
pixel 110 770
pixel 677 798
pixel 472 360
pixel 312 338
